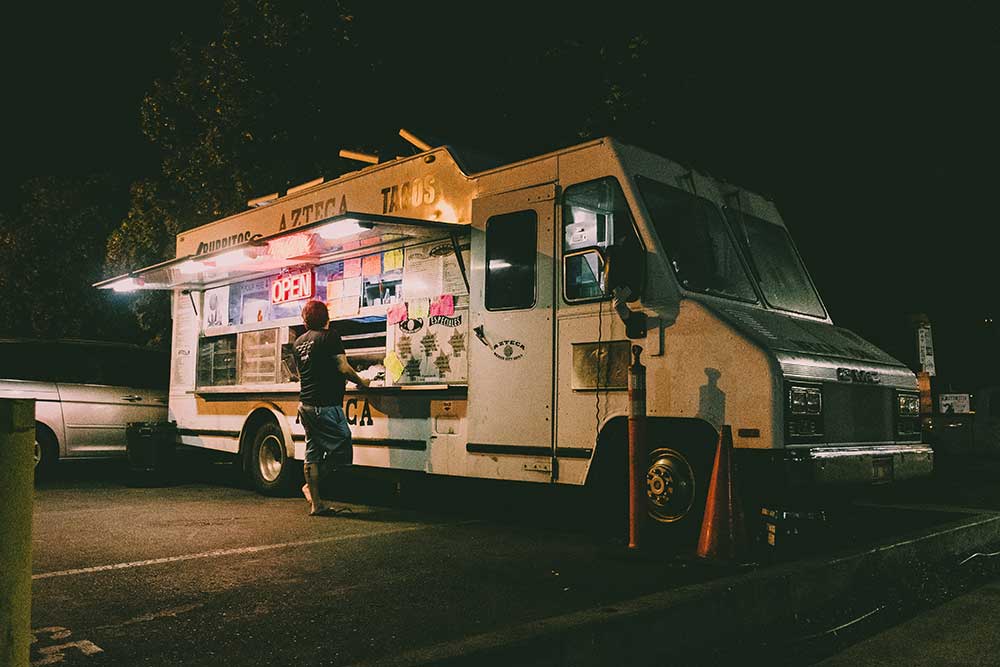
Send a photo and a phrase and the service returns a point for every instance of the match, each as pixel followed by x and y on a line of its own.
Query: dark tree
pixel 245 114
pixel 51 251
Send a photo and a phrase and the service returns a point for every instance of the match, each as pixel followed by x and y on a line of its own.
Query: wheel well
pixel 257 418
pixel 42 427
pixel 613 440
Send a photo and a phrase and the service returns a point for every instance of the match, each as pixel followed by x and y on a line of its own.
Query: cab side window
pixel 595 216
pixel 511 241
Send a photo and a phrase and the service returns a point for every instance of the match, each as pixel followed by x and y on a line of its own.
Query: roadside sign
pixel 925 345
pixel 954 404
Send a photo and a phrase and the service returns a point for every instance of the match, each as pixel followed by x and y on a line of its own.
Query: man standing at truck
pixel 323 371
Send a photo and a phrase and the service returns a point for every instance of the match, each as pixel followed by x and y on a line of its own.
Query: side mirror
pixel 625 270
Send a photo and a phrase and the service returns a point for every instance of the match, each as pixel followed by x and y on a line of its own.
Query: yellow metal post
pixel 17 476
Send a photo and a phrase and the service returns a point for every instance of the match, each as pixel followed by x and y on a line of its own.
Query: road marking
pixel 51 655
pixel 216 553
pixel 54 654
pixel 172 612
pixel 53 631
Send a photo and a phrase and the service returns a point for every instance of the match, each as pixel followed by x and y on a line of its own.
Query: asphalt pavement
pixel 204 571
pixel 194 572
pixel 962 631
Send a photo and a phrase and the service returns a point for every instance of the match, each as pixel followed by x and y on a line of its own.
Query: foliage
pixel 51 249
pixel 240 116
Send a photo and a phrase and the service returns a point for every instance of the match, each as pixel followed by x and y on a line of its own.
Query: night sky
pixel 876 134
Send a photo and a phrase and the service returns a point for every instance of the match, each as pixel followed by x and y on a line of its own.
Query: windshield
pixel 696 239
pixel 783 280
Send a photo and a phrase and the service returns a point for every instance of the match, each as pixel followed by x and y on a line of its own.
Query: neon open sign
pixel 292 287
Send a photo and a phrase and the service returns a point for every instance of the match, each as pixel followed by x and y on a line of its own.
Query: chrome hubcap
pixel 670 486
pixel 270 458
pixel 38 453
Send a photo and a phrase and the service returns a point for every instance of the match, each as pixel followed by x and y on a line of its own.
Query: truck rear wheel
pixel 272 471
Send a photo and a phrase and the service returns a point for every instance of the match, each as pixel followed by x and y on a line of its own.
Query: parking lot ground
pixel 961 631
pixel 204 570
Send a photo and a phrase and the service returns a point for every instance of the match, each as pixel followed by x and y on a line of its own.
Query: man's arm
pixel 344 366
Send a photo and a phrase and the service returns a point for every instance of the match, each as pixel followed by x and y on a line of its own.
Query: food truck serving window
pixel 595 216
pixel 510 260
pixel 217 361
pixel 345 285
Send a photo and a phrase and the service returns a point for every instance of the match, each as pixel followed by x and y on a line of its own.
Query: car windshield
pixel 695 238
pixel 779 271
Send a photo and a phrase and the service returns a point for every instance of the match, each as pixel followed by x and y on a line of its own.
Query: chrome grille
pixel 858 413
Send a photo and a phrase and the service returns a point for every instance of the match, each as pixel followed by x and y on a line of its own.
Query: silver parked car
pixel 86 393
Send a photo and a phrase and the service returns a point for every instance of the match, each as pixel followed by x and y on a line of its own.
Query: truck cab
pixel 735 334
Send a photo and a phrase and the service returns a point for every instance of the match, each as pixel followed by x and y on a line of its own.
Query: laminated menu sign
pixel 352 267
pixel 371 265
pixel 432 349
pixel 254 309
pixel 185 344
pixel 216 307
pixel 421 272
pixel 392 260
pixel 452 281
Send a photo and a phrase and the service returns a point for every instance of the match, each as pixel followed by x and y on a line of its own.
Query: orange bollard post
pixel 723 533
pixel 636 445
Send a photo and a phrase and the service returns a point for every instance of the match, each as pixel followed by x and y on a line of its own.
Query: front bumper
pixel 863 464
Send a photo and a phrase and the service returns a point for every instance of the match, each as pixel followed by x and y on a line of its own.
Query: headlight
pixel 805 400
pixel 909 405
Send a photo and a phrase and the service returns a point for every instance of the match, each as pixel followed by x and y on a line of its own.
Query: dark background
pixel 875 132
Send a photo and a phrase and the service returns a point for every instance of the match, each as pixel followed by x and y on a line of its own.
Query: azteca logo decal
pixel 411 325
pixel 508 350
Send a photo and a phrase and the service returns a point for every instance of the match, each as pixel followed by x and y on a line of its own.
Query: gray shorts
pixel 328 437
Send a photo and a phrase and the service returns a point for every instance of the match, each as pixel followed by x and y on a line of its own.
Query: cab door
pixel 511 343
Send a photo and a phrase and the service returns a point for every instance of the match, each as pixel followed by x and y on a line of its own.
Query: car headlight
pixel 908 405
pixel 805 400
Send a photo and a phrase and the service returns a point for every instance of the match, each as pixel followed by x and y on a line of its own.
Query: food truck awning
pixel 345 235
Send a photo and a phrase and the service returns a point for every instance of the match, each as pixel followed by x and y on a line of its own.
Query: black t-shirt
pixel 315 355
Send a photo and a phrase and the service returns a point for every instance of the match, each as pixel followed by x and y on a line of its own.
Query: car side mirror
pixel 625 270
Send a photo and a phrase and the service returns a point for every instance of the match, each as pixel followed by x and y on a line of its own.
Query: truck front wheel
pixel 671 486
pixel 272 471
pixel 674 485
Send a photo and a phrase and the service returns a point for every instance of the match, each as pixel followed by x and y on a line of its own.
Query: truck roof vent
pixel 305 186
pixel 262 201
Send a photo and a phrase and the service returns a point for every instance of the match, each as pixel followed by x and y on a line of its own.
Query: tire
pixel 272 471
pixel 676 476
pixel 46 451
pixel 676 486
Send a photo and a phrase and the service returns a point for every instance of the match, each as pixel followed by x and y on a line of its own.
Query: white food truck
pixel 481 303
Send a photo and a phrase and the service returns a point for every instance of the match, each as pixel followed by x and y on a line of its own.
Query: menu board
pixel 430 350
pixel 215 307
pixel 185 343
pixel 431 270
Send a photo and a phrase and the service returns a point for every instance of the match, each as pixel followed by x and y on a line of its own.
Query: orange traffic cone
pixel 722 530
